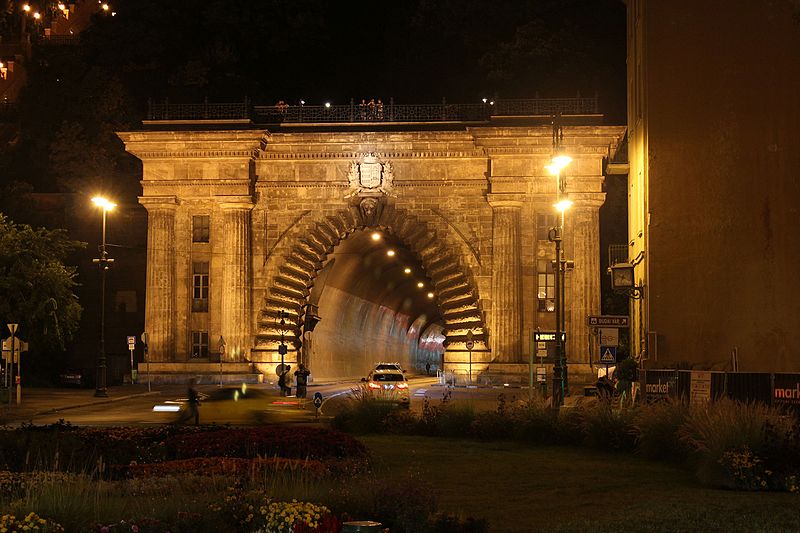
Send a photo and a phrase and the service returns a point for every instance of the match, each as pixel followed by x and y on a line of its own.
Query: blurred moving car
pixel 229 405
pixel 389 385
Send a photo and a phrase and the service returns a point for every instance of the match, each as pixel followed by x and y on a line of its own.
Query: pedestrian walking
pixel 428 369
pixel 301 380
pixel 283 381
pixel 192 405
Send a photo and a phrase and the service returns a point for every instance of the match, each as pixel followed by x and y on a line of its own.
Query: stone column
pixel 236 278
pixel 505 337
pixel 160 305
pixel 584 297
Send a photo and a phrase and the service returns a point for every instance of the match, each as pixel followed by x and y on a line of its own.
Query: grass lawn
pixel 522 488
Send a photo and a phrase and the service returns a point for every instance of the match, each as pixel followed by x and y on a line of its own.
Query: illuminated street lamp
pixel 556 167
pixel 103 263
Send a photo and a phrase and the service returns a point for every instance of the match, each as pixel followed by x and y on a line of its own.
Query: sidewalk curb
pixel 95 402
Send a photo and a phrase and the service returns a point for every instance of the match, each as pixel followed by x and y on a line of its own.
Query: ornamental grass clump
pixel 606 428
pixel 727 437
pixel 657 427
pixel 363 413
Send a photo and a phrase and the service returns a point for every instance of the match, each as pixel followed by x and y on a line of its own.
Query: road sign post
pixel 131 347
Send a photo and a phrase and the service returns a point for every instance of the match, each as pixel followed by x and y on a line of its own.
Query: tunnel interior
pixel 376 303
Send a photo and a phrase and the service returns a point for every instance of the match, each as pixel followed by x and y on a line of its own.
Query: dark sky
pixel 415 50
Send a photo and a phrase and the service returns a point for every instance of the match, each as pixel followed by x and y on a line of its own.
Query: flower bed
pixel 230 466
pixel 268 441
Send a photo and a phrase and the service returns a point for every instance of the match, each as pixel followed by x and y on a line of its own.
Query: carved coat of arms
pixel 370 176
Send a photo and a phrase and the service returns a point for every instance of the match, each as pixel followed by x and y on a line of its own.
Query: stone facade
pixel 464 202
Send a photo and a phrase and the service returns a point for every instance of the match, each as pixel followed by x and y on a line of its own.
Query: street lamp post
pixel 104 262
pixel 282 347
pixel 560 264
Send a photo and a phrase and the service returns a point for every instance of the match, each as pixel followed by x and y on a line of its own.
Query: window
pixel 199 344
pixel 201 225
pixel 546 283
pixel 200 287
pixel 543 225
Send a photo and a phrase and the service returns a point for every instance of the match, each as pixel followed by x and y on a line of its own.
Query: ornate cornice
pixel 197 154
pixel 159 202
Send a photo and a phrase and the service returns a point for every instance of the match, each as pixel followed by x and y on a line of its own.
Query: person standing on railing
pixel 362 109
pixel 379 109
pixel 371 107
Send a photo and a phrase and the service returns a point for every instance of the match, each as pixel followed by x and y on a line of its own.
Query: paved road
pixel 133 404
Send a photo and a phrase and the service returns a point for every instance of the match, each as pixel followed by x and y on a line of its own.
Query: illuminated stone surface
pixel 290 226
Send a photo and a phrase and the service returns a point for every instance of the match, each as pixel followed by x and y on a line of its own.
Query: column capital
pixel 505 200
pixel 159 202
pixel 235 202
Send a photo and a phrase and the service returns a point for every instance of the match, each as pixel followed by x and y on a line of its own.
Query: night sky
pixel 416 51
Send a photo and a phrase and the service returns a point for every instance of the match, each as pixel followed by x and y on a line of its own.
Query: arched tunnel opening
pixel 375 303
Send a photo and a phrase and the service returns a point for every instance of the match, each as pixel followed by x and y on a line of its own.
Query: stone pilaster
pixel 236 278
pixel 160 304
pixel 584 298
pixel 505 338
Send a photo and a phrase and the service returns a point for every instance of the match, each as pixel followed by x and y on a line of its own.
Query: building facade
pixel 713 183
pixel 244 223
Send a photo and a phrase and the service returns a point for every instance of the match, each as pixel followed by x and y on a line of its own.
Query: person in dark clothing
pixel 301 379
pixel 427 369
pixel 193 405
pixel 283 381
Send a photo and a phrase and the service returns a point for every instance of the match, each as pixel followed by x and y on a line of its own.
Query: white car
pixel 389 385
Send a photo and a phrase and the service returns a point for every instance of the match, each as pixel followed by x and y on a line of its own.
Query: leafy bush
pixel 298 442
pixel 608 429
pixel 534 421
pixel 657 426
pixel 455 420
pixel 363 413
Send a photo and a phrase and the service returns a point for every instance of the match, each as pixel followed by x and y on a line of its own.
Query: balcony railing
pixel 373 111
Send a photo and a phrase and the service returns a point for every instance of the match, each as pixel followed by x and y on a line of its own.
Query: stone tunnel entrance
pixel 376 303
pixel 251 224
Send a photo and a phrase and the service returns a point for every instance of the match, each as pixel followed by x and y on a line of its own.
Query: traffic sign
pixel 545 336
pixel 13 328
pixel 317 400
pixel 131 342
pixel 470 345
pixel 609 336
pixel 619 321
pixel 608 354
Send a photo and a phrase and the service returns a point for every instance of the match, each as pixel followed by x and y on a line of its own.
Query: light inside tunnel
pixel 368 304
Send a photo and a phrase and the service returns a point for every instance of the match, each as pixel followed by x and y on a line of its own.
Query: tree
pixel 36 287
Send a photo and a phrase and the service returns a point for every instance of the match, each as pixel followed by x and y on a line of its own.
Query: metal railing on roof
pixel 373 111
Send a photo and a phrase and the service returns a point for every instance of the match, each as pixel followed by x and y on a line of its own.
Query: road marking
pixel 420 392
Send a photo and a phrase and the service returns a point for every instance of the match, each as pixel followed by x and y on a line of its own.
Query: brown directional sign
pixel 619 321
